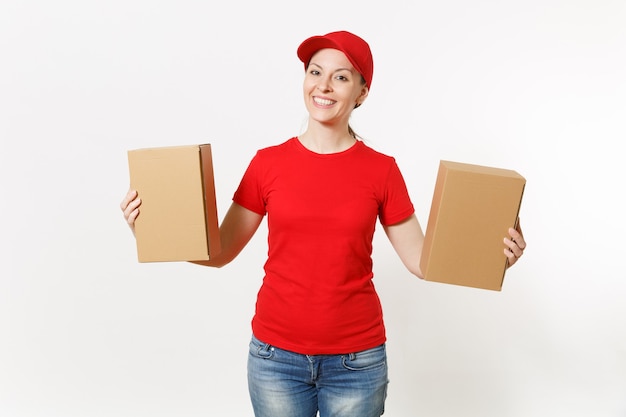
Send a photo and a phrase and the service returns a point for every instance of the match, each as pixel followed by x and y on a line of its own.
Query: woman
pixel 318 339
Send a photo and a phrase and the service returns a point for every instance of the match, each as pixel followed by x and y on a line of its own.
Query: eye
pixel 314 72
pixel 342 78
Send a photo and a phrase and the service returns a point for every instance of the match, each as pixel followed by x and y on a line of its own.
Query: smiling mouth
pixel 323 101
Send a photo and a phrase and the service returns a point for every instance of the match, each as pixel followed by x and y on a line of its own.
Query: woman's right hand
pixel 130 207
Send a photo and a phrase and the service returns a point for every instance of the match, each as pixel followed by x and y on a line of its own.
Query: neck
pixel 324 140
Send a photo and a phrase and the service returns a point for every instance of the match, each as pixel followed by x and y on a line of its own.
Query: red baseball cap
pixel 356 50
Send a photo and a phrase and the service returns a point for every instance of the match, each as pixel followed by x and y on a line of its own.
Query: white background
pixel 535 86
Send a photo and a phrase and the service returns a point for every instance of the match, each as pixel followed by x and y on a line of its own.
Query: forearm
pixel 236 230
pixel 407 239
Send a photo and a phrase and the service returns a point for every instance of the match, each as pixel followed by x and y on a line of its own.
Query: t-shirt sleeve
pixel 396 204
pixel 249 194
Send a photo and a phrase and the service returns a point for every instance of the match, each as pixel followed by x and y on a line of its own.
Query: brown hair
pixel 351 131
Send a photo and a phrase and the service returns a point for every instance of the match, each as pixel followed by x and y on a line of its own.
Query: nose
pixel 324 85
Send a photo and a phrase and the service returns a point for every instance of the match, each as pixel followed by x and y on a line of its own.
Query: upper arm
pixel 236 230
pixel 407 239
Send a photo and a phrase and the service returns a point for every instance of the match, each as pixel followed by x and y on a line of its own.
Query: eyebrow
pixel 337 70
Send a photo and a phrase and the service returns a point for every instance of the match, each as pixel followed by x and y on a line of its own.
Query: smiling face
pixel 332 88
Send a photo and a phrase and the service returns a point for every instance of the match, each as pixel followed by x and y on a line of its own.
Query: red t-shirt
pixel 317 295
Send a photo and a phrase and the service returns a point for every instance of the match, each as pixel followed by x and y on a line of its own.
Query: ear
pixel 361 98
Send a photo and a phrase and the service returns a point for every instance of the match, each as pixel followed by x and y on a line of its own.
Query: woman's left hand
pixel 515 245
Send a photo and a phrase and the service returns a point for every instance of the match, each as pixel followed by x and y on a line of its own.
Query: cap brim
pixel 313 44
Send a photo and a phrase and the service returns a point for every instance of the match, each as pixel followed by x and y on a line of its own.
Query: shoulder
pixel 374 155
pixel 275 151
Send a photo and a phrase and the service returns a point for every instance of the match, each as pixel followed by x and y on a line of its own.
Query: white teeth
pixel 323 102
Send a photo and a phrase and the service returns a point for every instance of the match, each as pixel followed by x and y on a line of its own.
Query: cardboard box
pixel 472 208
pixel 178 214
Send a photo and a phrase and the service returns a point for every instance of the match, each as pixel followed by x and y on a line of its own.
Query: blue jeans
pixel 288 384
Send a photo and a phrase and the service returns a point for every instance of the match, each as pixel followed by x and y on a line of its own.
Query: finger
pixel 132 216
pixel 513 247
pixel 518 238
pixel 130 196
pixel 132 210
pixel 511 258
pixel 518 227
